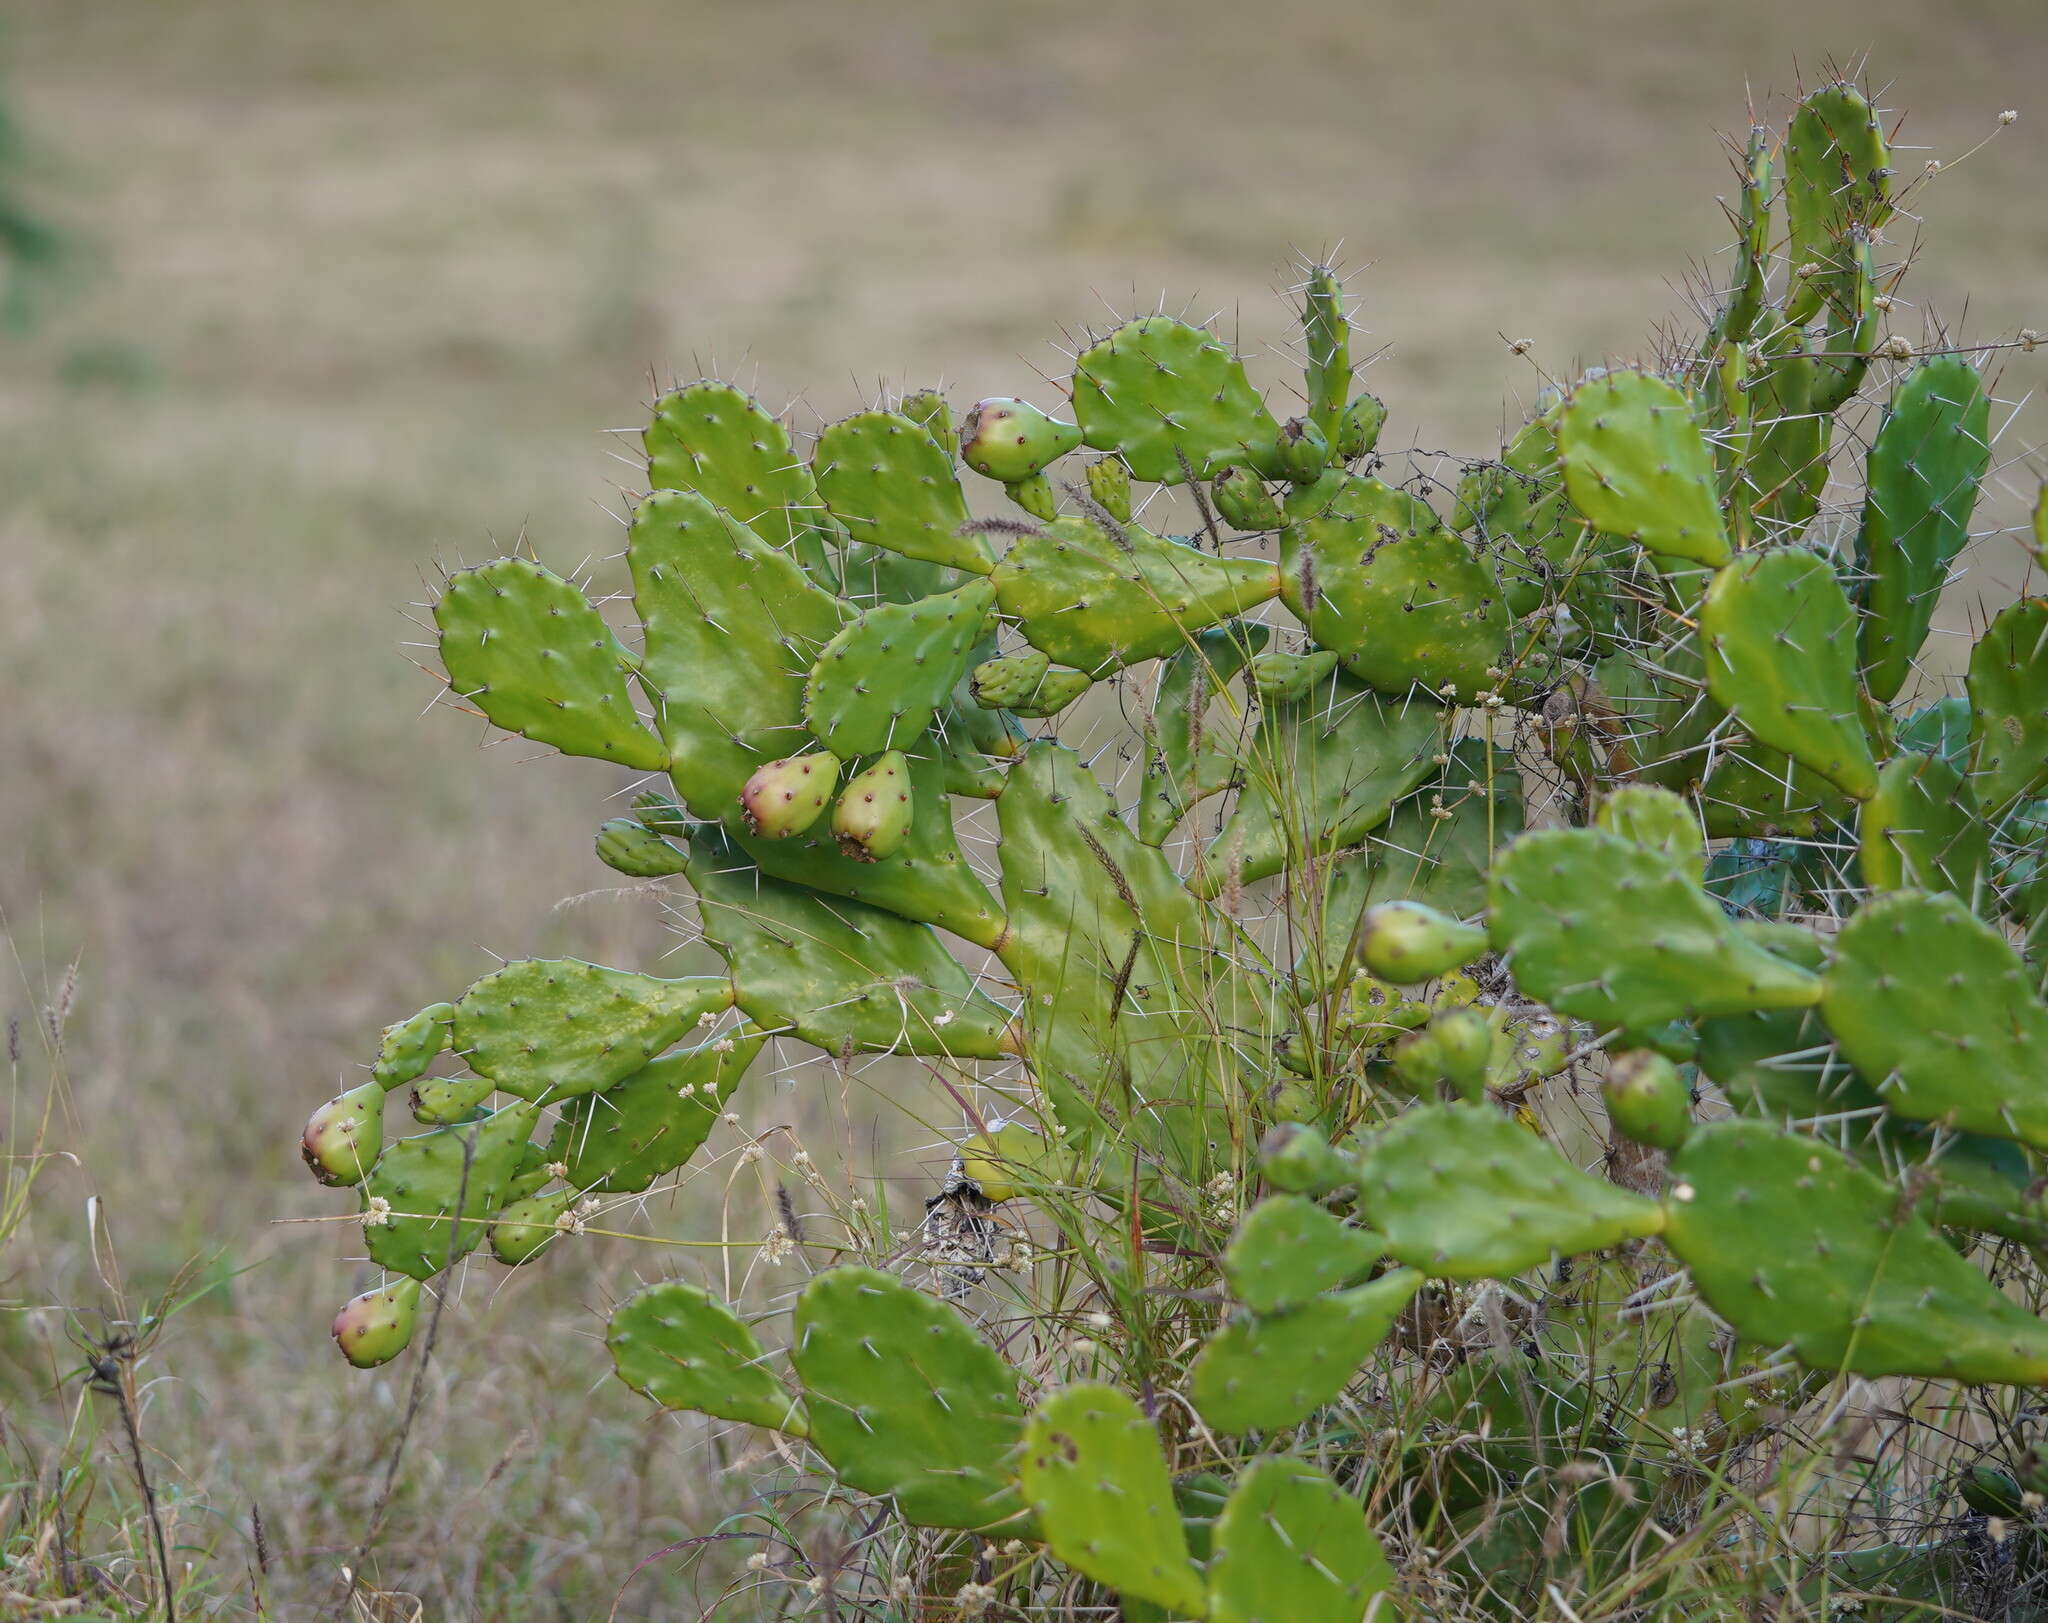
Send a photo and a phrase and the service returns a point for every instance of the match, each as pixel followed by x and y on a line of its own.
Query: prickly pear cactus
pixel 1625 760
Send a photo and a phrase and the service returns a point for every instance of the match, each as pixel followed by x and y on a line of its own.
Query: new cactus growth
pixel 1607 763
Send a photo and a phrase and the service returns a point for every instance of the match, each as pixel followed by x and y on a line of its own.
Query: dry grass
pixel 356 287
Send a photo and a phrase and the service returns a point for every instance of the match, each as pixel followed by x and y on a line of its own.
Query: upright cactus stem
pixel 1326 333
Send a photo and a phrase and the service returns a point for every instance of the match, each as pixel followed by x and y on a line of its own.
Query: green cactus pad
pixel 527 649
pixel 1923 830
pixel 683 1348
pixel 2009 705
pixel 522 1229
pixel 551 1028
pixel 628 846
pixel 1293 1547
pixel 1159 391
pixel 1785 462
pixel 1794 1244
pixel 1518 506
pixel 419 1178
pixel 1657 820
pixel 906 1400
pixel 888 482
pixel 1464 1192
pixel 1094 603
pixel 1603 930
pixel 410 1045
pixel 1290 678
pixel 1635 465
pixel 716 441
pixel 619 1141
pixel 1780 635
pixel 1267 1372
pixel 880 680
pixel 1093 1470
pixel 1192 739
pixel 1920 481
pixel 1939 1011
pixel 841 973
pixel 1837 182
pixel 1405 603
pixel 1288 1249
pixel 1319 775
pixel 732 627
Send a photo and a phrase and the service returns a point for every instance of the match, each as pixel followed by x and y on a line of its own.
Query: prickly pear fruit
pixel 439 1100
pixel 1297 1158
pixel 1358 431
pixel 1464 1040
pixel 630 847
pixel 1647 1100
pixel 1109 483
pixel 1417 1062
pixel 1052 693
pixel 344 1135
pixel 1012 439
pixel 1409 943
pixel 872 819
pixel 410 1045
pixel 1004 683
pixel 785 797
pixel 522 1228
pixel 374 1327
pixel 1303 450
pixel 1244 501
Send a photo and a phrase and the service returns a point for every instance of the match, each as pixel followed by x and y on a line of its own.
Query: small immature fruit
pixel 525 1226
pixel 1464 1040
pixel 1012 439
pixel 1303 449
pixel 1647 1101
pixel 374 1328
pixel 785 797
pixel 1359 429
pixel 344 1135
pixel 1408 943
pixel 872 819
pixel 1297 1158
pixel 1109 483
pixel 628 846
pixel 1034 493
pixel 1244 501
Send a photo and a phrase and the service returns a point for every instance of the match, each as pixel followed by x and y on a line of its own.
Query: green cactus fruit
pixel 1194 728
pixel 1358 430
pixel 891 485
pixel 374 1327
pixel 410 1045
pixel 2009 705
pixel 1837 185
pixel 1610 933
pixel 783 798
pixel 1780 636
pixel 1417 1063
pixel 345 1134
pixel 872 817
pixel 1408 943
pixel 528 650
pixel 551 1028
pixel 1245 503
pixel 1093 1470
pixel 1008 681
pixel 1657 820
pixel 1940 1011
pixel 628 846
pixel 524 1228
pixel 621 1140
pixel 1109 487
pixel 1291 1544
pixel 1794 1244
pixel 1170 398
pixel 1462 1192
pixel 1635 465
pixel 1920 487
pixel 905 1400
pixel 1647 1100
pixel 1326 333
pixel 1290 678
pixel 929 410
pixel 1319 776
pixel 1097 604
pixel 438 1101
pixel 1296 1158
pixel 1923 830
pixel 1036 496
pixel 683 1348
pixel 1412 607
pixel 1464 1040
pixel 842 973
pixel 879 682
pixel 1010 440
pixel 1288 1250
pixel 1302 450
pixel 1268 1372
pixel 410 1196
pixel 731 627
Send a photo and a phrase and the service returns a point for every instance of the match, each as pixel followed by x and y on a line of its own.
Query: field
pixel 356 290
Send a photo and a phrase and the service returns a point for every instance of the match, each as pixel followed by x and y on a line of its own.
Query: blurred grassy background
pixel 356 287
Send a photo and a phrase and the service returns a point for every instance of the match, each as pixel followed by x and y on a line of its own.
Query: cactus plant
pixel 1619 764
